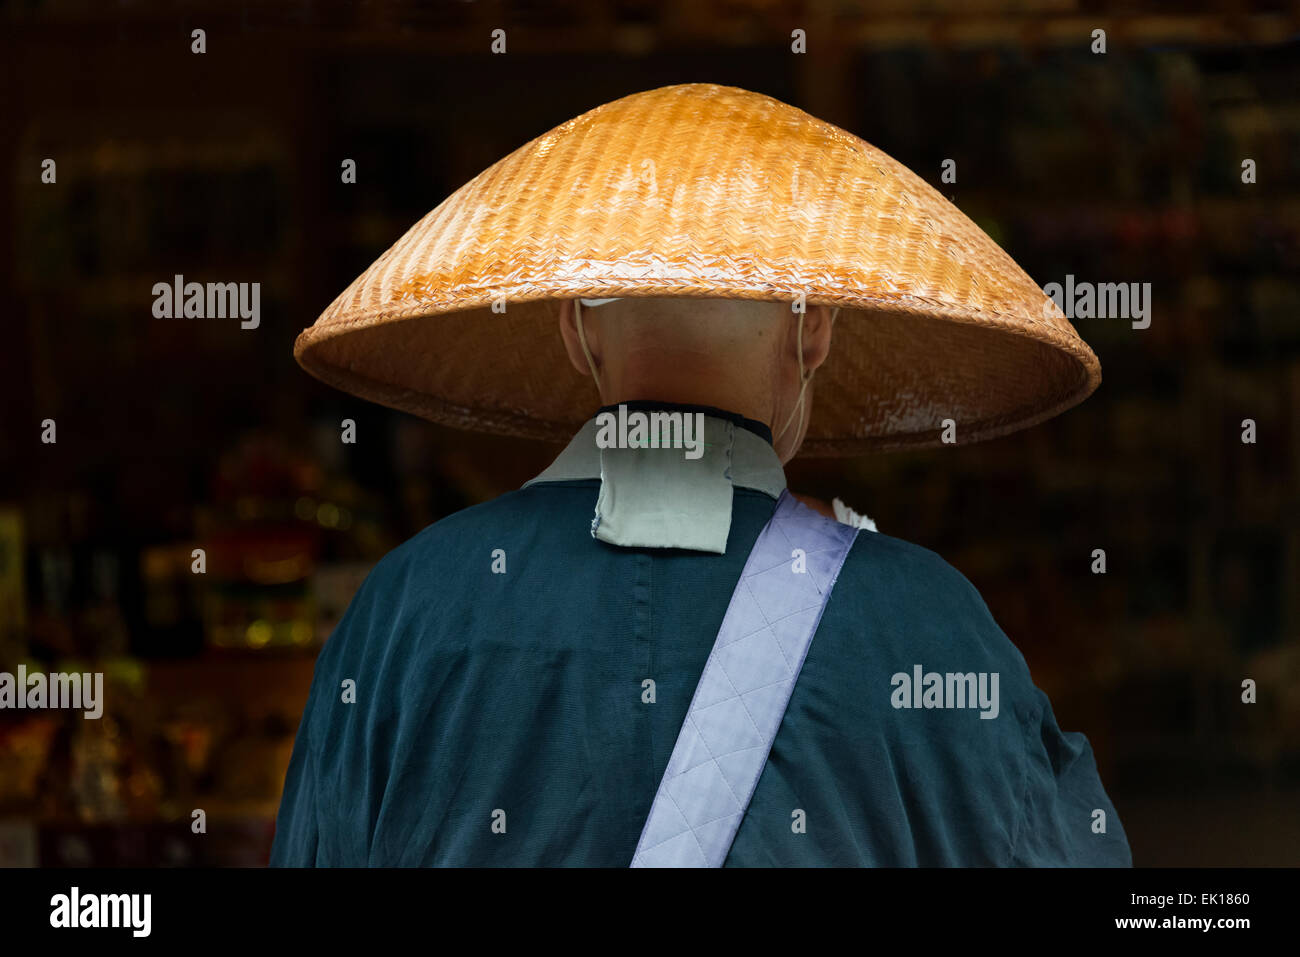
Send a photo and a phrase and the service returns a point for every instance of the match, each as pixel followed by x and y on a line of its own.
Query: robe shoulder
pixel 533 540
pixel 899 610
pixel 443 567
pixel 918 603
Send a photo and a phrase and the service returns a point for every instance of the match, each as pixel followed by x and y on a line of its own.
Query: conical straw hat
pixel 704 191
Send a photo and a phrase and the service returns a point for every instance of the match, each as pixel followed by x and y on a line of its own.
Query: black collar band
pixel 650 405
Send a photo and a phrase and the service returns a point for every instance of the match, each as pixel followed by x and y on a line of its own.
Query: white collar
pixel 659 498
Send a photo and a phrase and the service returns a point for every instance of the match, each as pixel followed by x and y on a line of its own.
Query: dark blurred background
pixel 182 434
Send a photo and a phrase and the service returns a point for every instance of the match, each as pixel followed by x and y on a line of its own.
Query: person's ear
pixel 569 333
pixel 817 322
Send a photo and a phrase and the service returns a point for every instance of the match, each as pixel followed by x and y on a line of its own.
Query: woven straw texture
pixel 704 191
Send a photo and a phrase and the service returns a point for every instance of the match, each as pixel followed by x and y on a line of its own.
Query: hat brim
pixel 507 373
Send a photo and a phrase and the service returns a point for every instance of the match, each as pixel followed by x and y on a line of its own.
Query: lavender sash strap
pixel 743 692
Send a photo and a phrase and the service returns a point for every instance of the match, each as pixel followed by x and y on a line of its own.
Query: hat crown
pixel 733 174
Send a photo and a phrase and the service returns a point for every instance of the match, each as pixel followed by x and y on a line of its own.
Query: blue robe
pixel 501 717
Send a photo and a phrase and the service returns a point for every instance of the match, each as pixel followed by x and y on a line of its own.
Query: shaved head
pixel 734 354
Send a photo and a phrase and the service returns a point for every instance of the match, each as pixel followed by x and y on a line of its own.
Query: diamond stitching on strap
pixel 709 792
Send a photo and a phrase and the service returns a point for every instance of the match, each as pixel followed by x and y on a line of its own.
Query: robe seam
pixel 1021 817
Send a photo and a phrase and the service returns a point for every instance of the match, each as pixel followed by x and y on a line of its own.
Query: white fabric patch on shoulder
pixel 846 516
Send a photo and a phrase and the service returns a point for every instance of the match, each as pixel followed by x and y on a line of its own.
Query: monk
pixel 653 654
pixel 525 714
